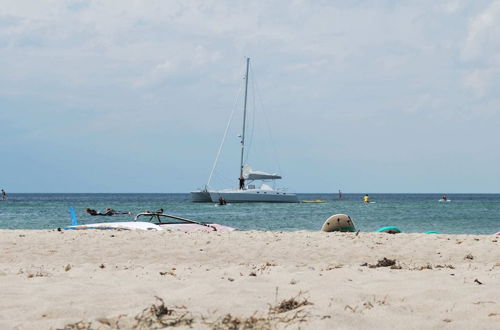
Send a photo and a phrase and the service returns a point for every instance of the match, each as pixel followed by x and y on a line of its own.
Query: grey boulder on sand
pixel 338 222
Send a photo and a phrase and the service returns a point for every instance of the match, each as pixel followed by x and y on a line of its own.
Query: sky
pixel 363 96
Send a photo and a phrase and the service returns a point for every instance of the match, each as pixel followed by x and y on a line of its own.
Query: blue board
pixel 72 214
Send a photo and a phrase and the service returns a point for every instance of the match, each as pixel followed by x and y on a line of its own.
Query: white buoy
pixel 338 222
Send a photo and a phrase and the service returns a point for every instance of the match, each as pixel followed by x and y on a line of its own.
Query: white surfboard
pixel 129 225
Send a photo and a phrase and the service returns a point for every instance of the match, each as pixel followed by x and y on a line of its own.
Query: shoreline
pixel 342 280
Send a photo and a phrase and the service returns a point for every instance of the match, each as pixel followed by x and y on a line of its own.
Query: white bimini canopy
pixel 249 174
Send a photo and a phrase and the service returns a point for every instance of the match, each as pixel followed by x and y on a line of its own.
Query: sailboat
pixel 248 190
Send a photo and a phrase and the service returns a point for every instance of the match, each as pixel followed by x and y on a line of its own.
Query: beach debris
pixel 338 222
pixel 40 272
pixel 477 281
pixel 332 267
pixel 287 305
pixel 265 322
pixel 102 266
pixel 346 307
pixel 368 305
pixel 447 320
pixel 266 265
pixel 469 256
pixel 67 267
pixel 158 316
pixel 80 325
pixel 168 273
pixel 252 274
pixel 445 266
pixel 384 263
pixel 428 266
pixel 483 302
pixel 230 322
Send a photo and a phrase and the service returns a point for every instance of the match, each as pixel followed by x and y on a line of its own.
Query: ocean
pixel 412 213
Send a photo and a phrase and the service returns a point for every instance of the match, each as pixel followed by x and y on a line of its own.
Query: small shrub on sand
pixel 290 304
pixel 159 317
pixel 156 316
pixel 229 322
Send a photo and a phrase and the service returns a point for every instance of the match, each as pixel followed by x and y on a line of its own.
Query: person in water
pixel 222 201
pixel 4 195
pixel 109 212
pixel 444 197
pixel 366 199
pixel 93 212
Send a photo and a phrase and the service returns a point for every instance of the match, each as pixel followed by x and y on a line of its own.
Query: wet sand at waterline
pixel 315 280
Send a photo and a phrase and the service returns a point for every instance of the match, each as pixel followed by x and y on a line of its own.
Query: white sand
pixel 116 275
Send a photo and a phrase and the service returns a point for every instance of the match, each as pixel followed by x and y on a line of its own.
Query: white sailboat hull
pixel 253 195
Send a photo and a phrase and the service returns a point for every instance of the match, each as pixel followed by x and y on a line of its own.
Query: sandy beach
pixel 314 280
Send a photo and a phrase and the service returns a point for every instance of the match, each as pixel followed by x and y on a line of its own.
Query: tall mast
pixel 244 124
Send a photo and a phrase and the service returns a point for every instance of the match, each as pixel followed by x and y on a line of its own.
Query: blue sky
pixel 363 96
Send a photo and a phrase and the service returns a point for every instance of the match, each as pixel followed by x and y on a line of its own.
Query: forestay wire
pixel 224 137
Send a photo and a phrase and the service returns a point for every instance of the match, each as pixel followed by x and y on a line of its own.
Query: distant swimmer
pixel 4 195
pixel 366 198
pixel 93 212
pixel 109 212
pixel 340 195
pixel 444 197
pixel 222 201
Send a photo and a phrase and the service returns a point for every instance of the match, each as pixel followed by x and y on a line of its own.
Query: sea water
pixel 412 213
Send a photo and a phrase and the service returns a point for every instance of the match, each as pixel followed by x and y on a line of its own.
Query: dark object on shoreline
pixel 389 230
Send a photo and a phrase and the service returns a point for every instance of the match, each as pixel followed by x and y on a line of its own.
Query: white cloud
pixel 480 51
pixel 482 33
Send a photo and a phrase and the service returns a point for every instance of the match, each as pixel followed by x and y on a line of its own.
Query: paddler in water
pixel 366 198
pixel 109 212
